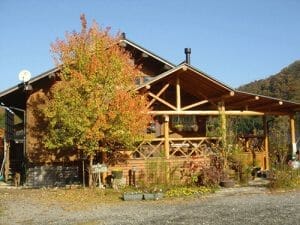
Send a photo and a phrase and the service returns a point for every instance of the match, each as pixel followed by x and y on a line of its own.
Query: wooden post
pixel 223 122
pixel 167 147
pixel 223 132
pixel 178 95
pixel 266 143
pixel 166 134
pixel 293 135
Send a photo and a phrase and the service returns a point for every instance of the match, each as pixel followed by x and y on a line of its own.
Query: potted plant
pixel 179 127
pixel 149 196
pixel 133 196
pixel 153 194
pixel 226 179
pixel 195 127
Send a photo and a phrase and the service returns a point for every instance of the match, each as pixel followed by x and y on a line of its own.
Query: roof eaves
pixel 268 97
pixel 34 79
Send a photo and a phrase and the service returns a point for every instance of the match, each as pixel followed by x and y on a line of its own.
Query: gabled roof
pixel 18 89
pixel 204 87
pixel 186 67
pixel 146 51
pixel 194 81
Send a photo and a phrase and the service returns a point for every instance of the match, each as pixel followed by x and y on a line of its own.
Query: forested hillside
pixel 285 84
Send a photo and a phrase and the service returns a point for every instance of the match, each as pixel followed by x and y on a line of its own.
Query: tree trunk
pixel 90 171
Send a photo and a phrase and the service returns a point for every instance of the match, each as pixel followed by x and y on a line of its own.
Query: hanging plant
pixel 179 127
pixel 195 127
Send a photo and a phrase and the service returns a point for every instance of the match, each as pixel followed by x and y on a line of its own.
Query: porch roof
pixel 204 87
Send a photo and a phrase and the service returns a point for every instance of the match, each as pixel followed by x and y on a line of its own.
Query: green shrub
pixel 285 178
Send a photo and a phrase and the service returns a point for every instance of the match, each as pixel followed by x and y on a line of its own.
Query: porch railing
pixel 252 143
pixel 178 147
pixel 191 146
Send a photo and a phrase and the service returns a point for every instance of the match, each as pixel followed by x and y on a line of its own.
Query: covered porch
pixel 184 99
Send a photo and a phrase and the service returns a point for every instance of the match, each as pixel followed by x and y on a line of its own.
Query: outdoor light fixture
pixel 25 76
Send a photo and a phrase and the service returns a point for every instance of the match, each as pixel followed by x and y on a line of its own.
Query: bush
pixel 196 174
pixel 285 178
pixel 209 177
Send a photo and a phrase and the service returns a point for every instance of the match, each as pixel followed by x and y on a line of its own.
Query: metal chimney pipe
pixel 123 35
pixel 187 52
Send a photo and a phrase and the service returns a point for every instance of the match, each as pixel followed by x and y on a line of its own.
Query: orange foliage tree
pixel 94 107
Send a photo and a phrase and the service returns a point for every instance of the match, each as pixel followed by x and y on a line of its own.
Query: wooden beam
pixel 209 112
pixel 266 143
pixel 162 101
pixel 293 135
pixel 221 97
pixel 245 101
pixel 166 134
pixel 178 95
pixel 267 106
pixel 185 138
pixel 159 94
pixel 194 105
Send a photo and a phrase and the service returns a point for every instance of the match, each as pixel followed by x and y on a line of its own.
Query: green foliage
pixel 159 173
pixel 241 165
pixel 279 141
pixel 248 124
pixel 213 127
pixel 285 177
pixel 285 84
pixel 93 107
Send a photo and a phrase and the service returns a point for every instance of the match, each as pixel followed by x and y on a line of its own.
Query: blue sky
pixel 234 41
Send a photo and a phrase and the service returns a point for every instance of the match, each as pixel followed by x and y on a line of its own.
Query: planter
pixel 153 196
pixel 227 183
pixel 117 174
pixel 149 196
pixel 133 196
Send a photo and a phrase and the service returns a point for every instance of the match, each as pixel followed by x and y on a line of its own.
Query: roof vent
pixel 187 52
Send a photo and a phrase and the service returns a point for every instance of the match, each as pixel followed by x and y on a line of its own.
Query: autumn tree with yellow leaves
pixel 94 107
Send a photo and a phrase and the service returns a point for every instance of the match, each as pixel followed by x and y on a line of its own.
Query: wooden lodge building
pixel 182 99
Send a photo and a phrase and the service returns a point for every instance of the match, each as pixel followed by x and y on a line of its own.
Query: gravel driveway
pixel 226 207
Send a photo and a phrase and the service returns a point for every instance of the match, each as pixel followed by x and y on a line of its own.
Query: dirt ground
pixel 86 207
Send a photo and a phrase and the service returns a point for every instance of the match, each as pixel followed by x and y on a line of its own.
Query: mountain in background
pixel 284 85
